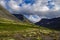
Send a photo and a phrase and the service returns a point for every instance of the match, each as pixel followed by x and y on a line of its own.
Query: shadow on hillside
pixel 51 27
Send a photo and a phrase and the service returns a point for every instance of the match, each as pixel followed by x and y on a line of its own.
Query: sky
pixel 33 10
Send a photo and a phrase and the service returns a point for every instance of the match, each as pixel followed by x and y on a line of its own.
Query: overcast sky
pixel 35 9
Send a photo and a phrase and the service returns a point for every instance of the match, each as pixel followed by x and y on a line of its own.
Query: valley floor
pixel 27 32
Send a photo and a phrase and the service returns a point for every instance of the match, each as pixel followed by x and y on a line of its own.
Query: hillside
pixel 22 18
pixel 53 23
pixel 10 31
pixel 12 28
pixel 4 14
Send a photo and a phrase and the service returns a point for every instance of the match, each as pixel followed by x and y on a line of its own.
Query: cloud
pixel 3 3
pixel 39 8
pixel 14 5
pixel 33 18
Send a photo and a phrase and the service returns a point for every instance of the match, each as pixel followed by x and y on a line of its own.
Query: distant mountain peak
pixel 53 23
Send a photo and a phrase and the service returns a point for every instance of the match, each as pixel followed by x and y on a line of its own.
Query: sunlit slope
pixel 9 20
pixel 26 32
pixel 4 14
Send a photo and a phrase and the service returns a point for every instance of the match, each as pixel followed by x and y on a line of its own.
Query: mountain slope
pixel 22 18
pixel 4 14
pixel 50 23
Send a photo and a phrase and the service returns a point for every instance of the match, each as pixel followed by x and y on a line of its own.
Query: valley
pixel 11 28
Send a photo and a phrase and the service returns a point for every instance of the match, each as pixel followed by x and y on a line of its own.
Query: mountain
pixel 22 18
pixel 50 23
pixel 19 16
pixel 4 14
pixel 11 28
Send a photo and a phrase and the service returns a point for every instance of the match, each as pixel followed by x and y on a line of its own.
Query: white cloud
pixel 33 18
pixel 3 3
pixel 57 8
pixel 39 5
pixel 41 9
pixel 13 5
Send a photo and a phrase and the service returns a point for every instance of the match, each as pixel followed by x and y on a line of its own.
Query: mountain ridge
pixel 6 14
pixel 50 23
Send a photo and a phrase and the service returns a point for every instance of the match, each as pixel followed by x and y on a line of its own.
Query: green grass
pixel 13 27
pixel 10 30
pixel 7 30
